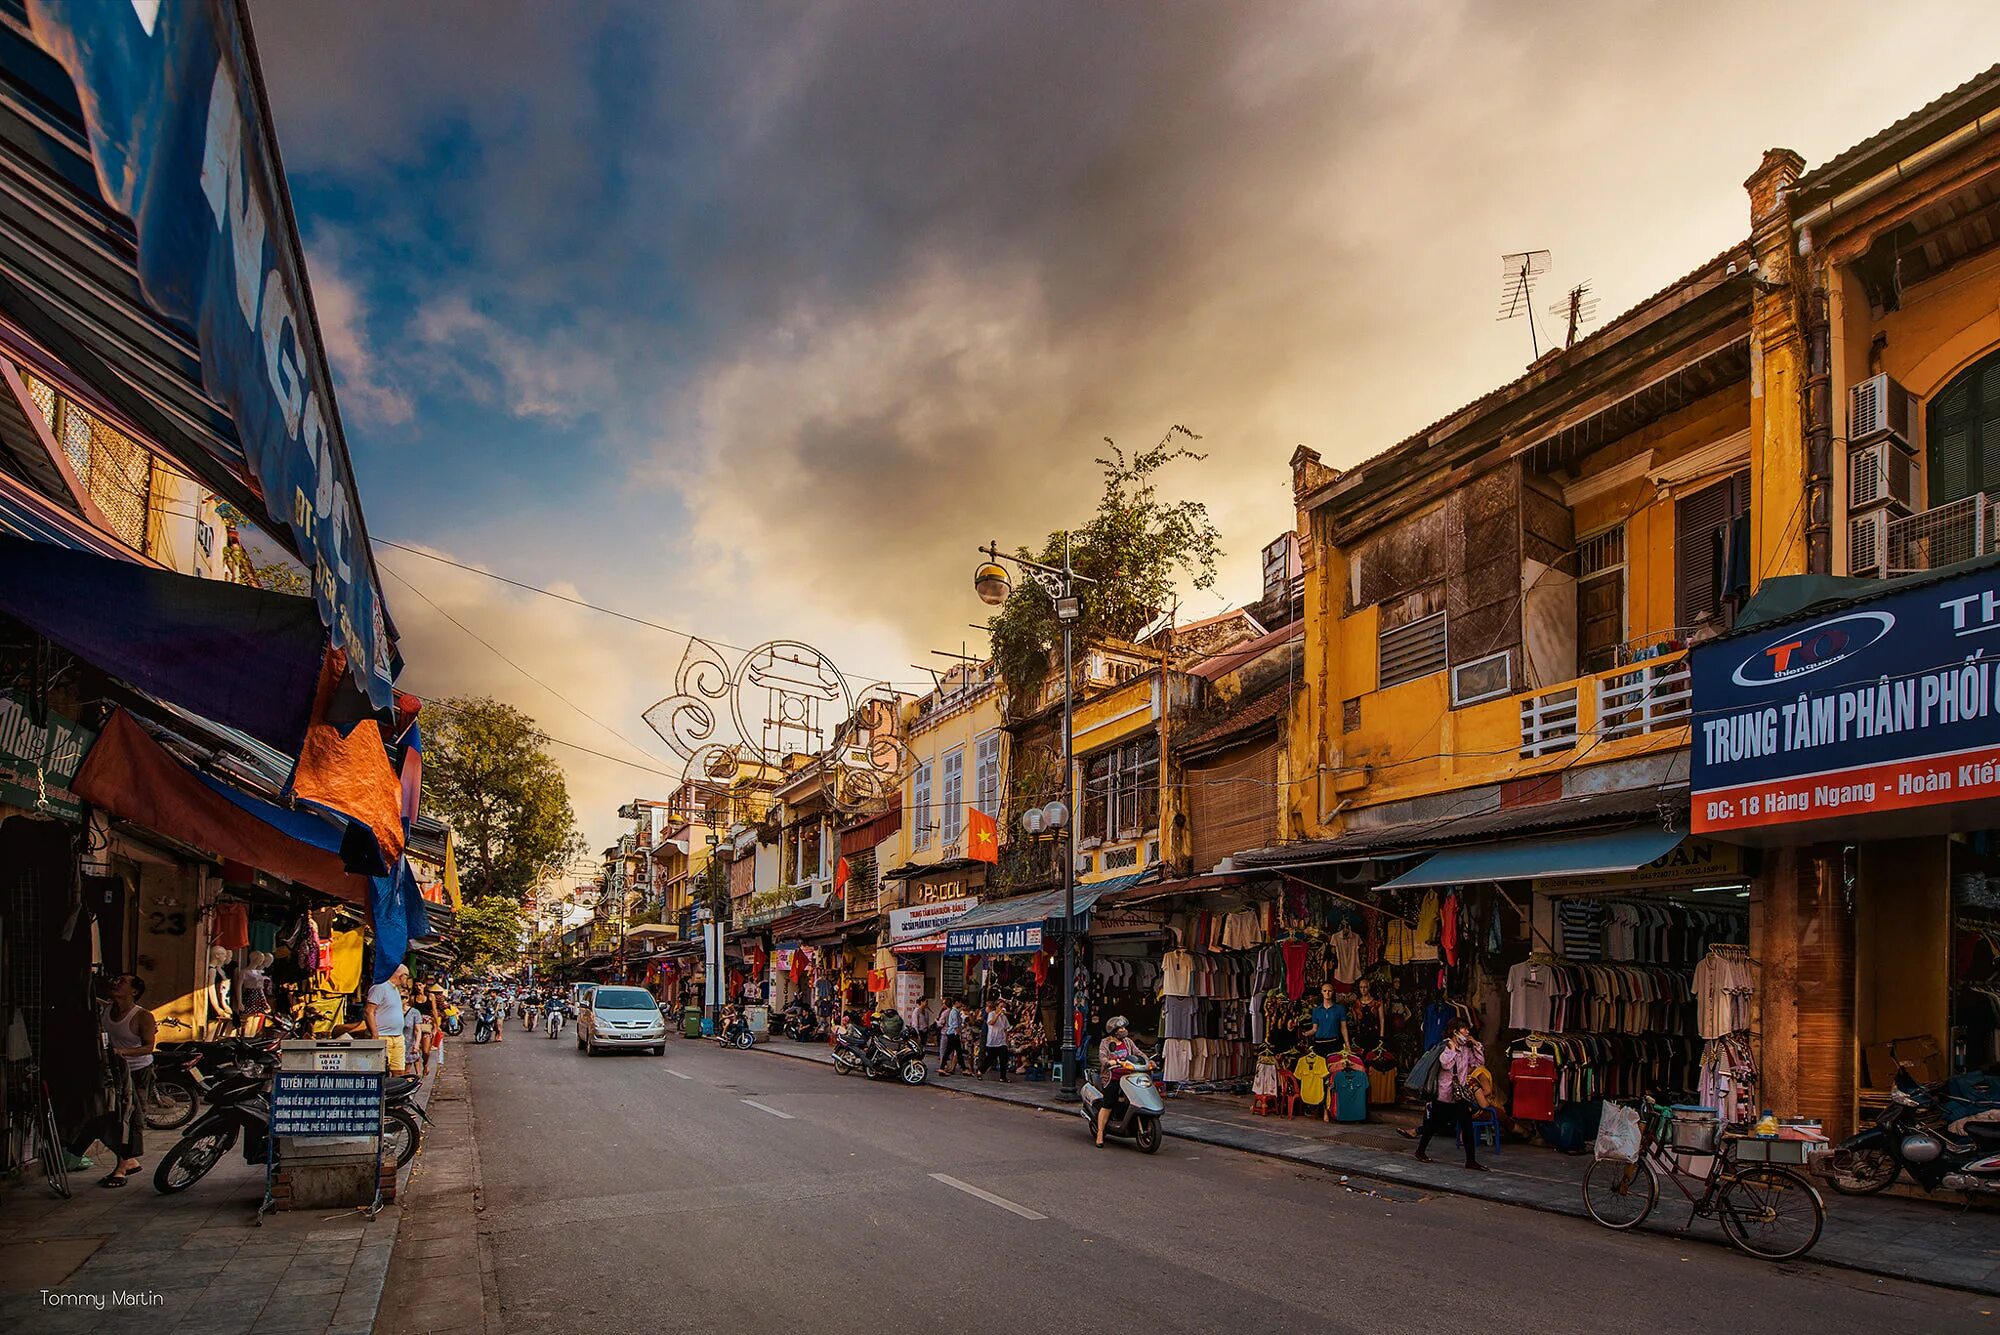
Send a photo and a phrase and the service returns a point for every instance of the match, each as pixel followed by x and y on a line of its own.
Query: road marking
pixel 765 1107
pixel 678 1075
pixel 986 1196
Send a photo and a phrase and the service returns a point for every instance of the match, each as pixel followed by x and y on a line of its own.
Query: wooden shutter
pixel 1233 804
pixel 1699 522
pixel 1600 610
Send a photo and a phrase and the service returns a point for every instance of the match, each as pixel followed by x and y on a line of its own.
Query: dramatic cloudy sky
pixel 753 318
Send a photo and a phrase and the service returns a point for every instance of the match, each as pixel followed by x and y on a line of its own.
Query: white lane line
pixel 765 1107
pixel 986 1196
pixel 678 1075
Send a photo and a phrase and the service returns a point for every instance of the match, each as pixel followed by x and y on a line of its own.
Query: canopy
pixel 1013 926
pixel 1557 855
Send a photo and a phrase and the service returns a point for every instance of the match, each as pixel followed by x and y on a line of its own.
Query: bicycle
pixel 1766 1210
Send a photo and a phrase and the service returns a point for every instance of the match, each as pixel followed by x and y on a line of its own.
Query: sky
pixel 752 320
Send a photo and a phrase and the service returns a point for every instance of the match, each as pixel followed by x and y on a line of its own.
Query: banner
pixel 1019 938
pixel 1885 707
pixel 181 146
pixel 37 761
pixel 906 924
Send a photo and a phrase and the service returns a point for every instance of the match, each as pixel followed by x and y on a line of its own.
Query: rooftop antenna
pixel 1519 272
pixel 1578 309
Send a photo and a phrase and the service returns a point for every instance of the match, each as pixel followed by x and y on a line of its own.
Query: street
pixel 711 1190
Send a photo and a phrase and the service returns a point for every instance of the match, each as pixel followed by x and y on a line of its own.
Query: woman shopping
pixel 1451 1110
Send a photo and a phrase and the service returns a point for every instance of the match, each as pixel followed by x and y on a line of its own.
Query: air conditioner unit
pixel 1884 472
pixel 1879 407
pixel 1868 544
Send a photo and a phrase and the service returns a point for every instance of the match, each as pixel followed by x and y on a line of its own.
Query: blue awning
pixel 1013 926
pixel 1556 855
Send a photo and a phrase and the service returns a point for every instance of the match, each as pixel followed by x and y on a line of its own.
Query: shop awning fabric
pixel 1044 906
pixel 1525 859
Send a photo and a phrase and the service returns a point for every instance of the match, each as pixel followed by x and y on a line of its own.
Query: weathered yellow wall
pixel 932 741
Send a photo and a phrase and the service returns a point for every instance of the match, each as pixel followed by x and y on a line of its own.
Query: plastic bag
pixel 1618 1133
pixel 1423 1077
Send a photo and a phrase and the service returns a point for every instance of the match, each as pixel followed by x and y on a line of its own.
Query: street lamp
pixel 1060 583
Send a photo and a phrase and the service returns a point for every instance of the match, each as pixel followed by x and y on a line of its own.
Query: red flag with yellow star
pixel 982 836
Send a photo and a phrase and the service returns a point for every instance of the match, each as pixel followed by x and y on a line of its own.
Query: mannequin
pixel 253 993
pixel 1329 1022
pixel 1371 1017
pixel 221 1002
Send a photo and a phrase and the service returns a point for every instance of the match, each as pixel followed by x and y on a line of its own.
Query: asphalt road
pixel 724 1191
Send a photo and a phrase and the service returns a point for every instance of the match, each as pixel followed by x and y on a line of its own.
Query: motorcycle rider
pixel 1117 1056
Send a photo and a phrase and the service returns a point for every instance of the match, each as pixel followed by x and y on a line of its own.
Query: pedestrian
pixel 386 1020
pixel 995 1054
pixel 416 1029
pixel 131 1032
pixel 1451 1110
pixel 922 1022
pixel 438 1003
pixel 951 1047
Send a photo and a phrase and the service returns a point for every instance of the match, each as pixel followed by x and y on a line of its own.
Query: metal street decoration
pixel 784 698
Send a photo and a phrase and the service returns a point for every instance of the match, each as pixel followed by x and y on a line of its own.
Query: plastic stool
pixel 1485 1120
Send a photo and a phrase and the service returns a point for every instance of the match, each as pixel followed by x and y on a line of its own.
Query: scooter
pixel 875 1054
pixel 488 1021
pixel 801 1025
pixel 1139 1121
pixel 552 1020
pixel 736 1034
pixel 453 1025
pixel 1946 1136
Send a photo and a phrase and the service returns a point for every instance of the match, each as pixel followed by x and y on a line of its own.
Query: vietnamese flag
pixel 840 874
pixel 982 836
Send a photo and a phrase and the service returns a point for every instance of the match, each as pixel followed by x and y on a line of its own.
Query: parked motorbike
pixel 1946 1136
pixel 801 1025
pixel 1139 1120
pixel 876 1054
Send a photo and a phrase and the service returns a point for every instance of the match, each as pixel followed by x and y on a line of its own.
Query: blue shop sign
pixel 1020 938
pixel 179 139
pixel 1884 706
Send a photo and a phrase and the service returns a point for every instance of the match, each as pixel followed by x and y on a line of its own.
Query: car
pixel 621 1017
pixel 579 996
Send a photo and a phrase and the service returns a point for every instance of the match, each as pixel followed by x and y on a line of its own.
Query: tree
pixel 1134 547
pixel 488 773
pixel 489 934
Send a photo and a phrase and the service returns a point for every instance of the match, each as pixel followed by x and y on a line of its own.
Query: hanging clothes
pixel 1346 947
pixel 1448 929
pixel 230 927
pixel 346 952
pixel 1294 953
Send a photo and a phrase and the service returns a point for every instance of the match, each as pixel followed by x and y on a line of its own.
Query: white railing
pixel 1942 535
pixel 1643 699
pixel 1549 721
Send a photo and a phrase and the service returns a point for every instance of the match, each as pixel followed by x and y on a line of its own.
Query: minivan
pixel 621 1017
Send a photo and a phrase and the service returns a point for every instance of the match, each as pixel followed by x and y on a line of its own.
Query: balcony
pixel 1929 540
pixel 1646 697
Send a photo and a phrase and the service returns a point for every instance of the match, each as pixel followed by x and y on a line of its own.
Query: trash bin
pixel 691 1022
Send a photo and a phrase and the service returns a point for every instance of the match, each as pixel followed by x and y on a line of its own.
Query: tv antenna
pixel 1578 309
pixel 1519 272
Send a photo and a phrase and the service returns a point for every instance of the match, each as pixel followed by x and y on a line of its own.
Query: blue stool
pixel 1485 1122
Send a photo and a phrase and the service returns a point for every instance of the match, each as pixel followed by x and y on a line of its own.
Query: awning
pixel 1187 885
pixel 1524 859
pixel 131 776
pixel 1013 926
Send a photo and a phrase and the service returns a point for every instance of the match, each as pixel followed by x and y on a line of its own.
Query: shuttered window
pixel 1708 545
pixel 1412 651
pixel 1963 451
pixel 1233 805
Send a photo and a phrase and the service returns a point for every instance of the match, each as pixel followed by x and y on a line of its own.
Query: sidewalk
pixel 198 1263
pixel 441 1276
pixel 1922 1241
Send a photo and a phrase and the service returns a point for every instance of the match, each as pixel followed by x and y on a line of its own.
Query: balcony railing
pixel 1647 697
pixel 1942 535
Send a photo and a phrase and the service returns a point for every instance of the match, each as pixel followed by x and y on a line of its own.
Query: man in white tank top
pixel 132 1031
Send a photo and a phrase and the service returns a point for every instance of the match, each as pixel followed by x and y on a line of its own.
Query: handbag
pixel 1423 1077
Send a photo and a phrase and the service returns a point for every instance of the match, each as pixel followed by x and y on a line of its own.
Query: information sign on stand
pixel 326 1103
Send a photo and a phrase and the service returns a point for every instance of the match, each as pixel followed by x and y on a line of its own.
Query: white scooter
pixel 1140 1118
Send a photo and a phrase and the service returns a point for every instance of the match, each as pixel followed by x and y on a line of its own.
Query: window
pixel 1600 599
pixel 1712 552
pixel 951 818
pixel 812 852
pixel 1483 678
pixel 986 774
pixel 920 807
pixel 1411 651
pixel 1964 434
pixel 1121 791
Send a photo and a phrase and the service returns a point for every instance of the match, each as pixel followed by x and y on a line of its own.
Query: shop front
pixel 935 899
pixel 1853 742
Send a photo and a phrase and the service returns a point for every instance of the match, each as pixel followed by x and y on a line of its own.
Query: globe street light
pixel 994 587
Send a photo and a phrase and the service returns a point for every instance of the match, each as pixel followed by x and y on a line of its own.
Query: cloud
pixel 547 375
pixel 368 394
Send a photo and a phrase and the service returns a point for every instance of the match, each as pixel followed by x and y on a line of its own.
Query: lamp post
pixel 991 582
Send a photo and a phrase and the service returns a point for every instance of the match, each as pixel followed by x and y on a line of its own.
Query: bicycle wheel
pixel 1620 1195
pixel 55 1163
pixel 1771 1212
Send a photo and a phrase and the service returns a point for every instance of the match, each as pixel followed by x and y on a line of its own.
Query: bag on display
pixel 1618 1133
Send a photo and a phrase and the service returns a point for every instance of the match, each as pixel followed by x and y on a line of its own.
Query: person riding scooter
pixel 1117 1057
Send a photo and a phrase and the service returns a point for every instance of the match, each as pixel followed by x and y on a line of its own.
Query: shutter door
pixel 1233 805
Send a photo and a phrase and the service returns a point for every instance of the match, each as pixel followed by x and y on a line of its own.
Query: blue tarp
pixel 1556 855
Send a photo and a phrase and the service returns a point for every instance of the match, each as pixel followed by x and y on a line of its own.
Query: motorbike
pixel 239 1109
pixel 801 1025
pixel 552 1020
pixel 488 1021
pixel 876 1054
pixel 453 1024
pixel 1946 1136
pixel 736 1034
pixel 1139 1120
pixel 182 1073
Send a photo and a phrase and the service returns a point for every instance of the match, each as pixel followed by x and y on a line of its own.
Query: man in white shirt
pixel 385 1017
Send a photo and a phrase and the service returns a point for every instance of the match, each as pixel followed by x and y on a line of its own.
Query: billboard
pixel 1883 706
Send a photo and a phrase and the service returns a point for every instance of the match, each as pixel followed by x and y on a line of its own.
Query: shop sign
pixel 1883 708
pixel 1019 938
pixel 945 888
pixel 909 993
pixel 1691 862
pixel 326 1103
pixel 781 959
pixel 923 919
pixel 176 131
pixel 37 762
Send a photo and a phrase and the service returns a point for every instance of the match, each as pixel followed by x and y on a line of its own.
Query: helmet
pixel 1117 1022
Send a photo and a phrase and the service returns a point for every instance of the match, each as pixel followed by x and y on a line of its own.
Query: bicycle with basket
pixel 1748 1182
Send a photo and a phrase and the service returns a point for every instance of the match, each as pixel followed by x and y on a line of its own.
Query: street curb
pixel 1326 1160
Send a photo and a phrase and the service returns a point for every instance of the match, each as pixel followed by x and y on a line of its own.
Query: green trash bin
pixel 691 1022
